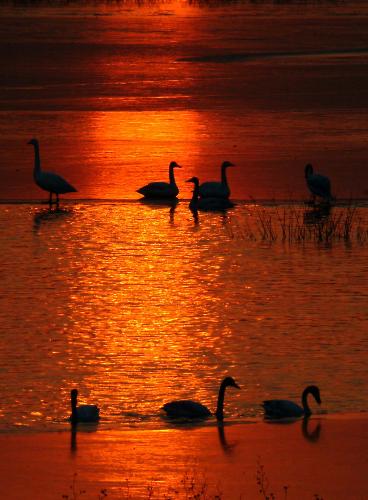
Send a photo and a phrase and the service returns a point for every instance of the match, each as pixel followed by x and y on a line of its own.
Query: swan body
pixel 82 413
pixel 214 189
pixel 49 181
pixel 206 204
pixel 318 185
pixel 192 410
pixel 162 190
pixel 283 408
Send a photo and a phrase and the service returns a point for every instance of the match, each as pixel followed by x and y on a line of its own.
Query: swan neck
pixel 74 416
pixel 37 160
pixel 171 176
pixel 307 410
pixel 220 403
pixel 195 195
pixel 223 176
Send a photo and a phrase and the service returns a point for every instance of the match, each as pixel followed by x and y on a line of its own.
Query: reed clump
pixel 295 224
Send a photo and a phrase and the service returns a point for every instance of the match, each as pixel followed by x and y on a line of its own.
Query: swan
pixel 162 190
pixel 217 189
pixel 191 409
pixel 53 183
pixel 318 185
pixel 282 408
pixel 206 204
pixel 82 413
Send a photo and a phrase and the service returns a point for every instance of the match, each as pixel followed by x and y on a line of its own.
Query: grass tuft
pixel 296 224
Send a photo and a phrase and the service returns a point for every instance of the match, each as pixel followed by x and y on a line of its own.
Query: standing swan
pixel 318 185
pixel 206 204
pixel 82 413
pixel 162 190
pixel 282 408
pixel 53 183
pixel 217 189
pixel 191 409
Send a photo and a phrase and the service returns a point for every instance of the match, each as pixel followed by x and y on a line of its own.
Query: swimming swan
pixel 318 185
pixel 162 190
pixel 82 413
pixel 206 204
pixel 53 183
pixel 217 189
pixel 282 408
pixel 191 409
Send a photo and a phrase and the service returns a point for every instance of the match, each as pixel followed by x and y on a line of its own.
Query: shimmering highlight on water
pixel 138 304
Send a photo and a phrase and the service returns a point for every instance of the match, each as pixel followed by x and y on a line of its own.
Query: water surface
pixel 115 92
pixel 138 304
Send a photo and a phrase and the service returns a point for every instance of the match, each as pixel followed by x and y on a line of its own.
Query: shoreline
pixel 324 456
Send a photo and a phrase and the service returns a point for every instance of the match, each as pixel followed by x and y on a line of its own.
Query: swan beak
pixel 236 385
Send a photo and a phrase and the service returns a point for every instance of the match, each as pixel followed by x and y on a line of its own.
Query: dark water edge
pixel 358 203
pixel 145 3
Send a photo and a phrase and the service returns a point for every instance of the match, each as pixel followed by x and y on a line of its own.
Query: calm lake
pixel 138 304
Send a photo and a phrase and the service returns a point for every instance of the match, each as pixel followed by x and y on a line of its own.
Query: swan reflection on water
pixel 75 428
pixel 309 434
pixel 159 204
pixel 227 447
pixel 49 215
pixel 317 214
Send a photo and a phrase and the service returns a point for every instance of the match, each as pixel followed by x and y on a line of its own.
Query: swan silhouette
pixel 192 410
pixel 282 408
pixel 206 204
pixel 319 185
pixel 82 413
pixel 214 189
pixel 53 183
pixel 162 190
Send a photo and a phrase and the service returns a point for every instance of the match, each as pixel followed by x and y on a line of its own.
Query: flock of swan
pixel 208 196
pixel 192 410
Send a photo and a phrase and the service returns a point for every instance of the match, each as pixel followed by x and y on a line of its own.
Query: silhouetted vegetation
pixel 192 487
pixel 292 224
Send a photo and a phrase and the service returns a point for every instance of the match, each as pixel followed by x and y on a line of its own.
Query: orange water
pixel 115 92
pixel 138 304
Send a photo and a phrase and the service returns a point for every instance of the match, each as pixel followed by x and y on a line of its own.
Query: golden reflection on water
pixel 140 148
pixel 136 305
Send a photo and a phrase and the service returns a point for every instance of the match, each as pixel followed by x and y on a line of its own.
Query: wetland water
pixel 137 304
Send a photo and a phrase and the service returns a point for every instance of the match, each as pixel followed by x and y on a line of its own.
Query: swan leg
pixel 57 199
pixel 50 199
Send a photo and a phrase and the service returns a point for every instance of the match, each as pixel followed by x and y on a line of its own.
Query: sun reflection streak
pixel 141 145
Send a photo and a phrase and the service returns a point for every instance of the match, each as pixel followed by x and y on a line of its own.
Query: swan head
pixel 74 394
pixel 227 164
pixel 34 142
pixel 195 180
pixel 173 164
pixel 308 170
pixel 230 382
pixel 313 389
